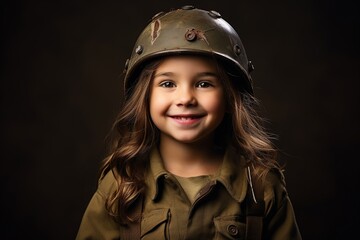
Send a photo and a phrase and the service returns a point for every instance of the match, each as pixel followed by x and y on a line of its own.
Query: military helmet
pixel 190 30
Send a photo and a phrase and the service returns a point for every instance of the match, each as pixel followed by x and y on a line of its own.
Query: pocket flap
pixel 153 219
pixel 229 227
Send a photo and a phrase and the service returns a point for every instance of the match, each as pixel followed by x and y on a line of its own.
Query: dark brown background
pixel 61 89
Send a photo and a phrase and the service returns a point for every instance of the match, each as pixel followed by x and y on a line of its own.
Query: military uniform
pixel 218 211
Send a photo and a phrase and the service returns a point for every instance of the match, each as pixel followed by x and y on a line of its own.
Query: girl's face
pixel 187 101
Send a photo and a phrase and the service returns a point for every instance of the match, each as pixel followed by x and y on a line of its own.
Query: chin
pixel 189 140
pixel 186 140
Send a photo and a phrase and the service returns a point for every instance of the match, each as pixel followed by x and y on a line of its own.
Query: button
pixel 214 14
pixel 251 66
pixel 157 15
pixel 139 49
pixel 187 7
pixel 191 35
pixel 232 230
pixel 237 50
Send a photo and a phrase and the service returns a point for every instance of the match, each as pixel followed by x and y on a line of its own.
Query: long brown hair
pixel 135 135
pixel 132 136
pixel 245 127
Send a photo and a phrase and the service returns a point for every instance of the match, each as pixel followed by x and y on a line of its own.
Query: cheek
pixel 215 103
pixel 157 103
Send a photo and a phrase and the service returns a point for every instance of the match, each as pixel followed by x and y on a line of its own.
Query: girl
pixel 189 159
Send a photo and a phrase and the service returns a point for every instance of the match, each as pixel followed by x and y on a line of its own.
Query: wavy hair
pixel 245 127
pixel 134 135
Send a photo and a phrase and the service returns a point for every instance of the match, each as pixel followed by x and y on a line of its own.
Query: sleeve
pixel 280 222
pixel 96 222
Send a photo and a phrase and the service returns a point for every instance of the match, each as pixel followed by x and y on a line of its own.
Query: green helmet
pixel 189 30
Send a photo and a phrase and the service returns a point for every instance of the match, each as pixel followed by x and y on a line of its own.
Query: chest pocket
pixel 229 227
pixel 155 225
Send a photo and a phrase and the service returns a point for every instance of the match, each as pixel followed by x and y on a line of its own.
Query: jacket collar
pixel 232 174
pixel 157 172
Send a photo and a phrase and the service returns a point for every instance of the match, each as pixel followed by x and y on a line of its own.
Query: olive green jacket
pixel 217 213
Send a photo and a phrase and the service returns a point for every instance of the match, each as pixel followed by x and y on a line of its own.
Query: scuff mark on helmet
pixel 201 35
pixel 155 30
pixel 195 34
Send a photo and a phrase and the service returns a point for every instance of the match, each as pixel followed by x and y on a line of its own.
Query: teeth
pixel 184 118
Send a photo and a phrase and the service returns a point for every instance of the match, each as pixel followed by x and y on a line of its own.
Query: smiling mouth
pixel 187 116
pixel 187 120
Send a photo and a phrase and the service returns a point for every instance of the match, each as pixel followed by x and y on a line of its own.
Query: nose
pixel 185 97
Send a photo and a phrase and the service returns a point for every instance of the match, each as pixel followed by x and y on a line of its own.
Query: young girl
pixel 189 159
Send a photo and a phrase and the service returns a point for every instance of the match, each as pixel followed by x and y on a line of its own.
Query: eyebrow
pixel 202 74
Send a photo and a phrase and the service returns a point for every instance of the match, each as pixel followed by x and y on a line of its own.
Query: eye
pixel 167 84
pixel 204 84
